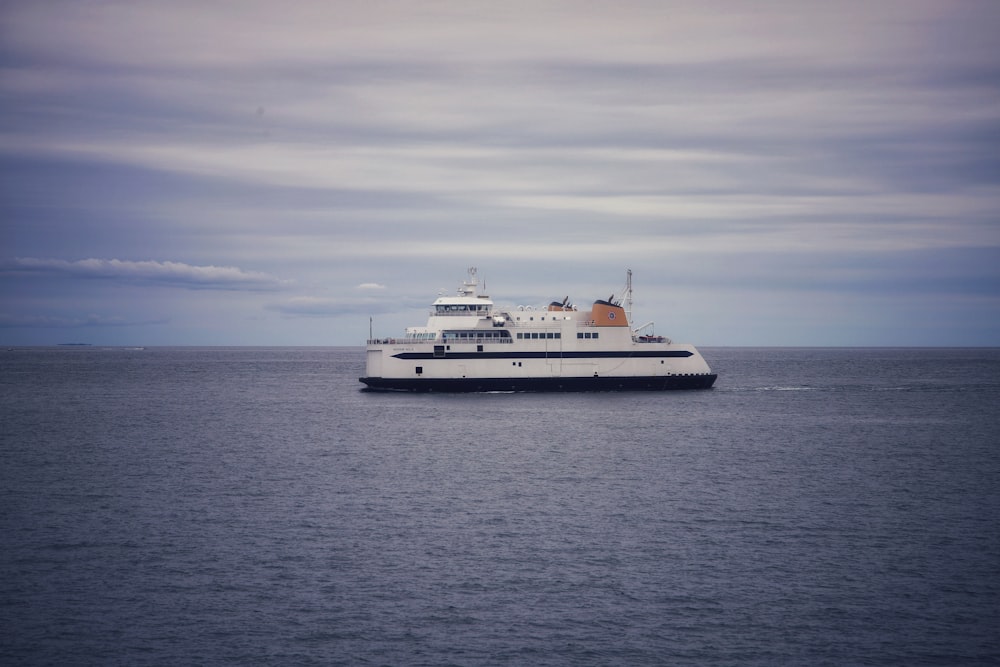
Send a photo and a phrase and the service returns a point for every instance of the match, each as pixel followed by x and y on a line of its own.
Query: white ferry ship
pixel 470 344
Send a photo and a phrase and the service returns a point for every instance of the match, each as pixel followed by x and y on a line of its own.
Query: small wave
pixel 780 388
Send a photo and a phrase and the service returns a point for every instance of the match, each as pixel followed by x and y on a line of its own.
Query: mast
pixel 628 296
pixel 468 287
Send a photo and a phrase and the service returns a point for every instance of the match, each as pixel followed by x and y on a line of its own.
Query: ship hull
pixel 541 384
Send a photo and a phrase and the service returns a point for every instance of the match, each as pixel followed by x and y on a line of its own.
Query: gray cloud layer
pixel 147 272
pixel 840 154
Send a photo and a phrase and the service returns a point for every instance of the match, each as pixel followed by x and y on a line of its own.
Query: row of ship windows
pixel 521 335
pixel 462 308
pixel 548 334
pixel 448 335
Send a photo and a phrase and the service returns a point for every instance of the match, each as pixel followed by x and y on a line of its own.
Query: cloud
pixel 371 286
pixel 145 272
pixel 312 306
pixel 11 321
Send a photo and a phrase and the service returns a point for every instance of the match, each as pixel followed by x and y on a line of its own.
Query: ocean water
pixel 173 506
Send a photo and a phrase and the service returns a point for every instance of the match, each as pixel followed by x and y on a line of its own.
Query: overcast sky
pixel 777 172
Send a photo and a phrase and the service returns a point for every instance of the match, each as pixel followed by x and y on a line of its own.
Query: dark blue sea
pixel 182 506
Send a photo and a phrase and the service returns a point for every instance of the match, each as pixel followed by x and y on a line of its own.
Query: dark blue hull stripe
pixel 645 383
pixel 546 355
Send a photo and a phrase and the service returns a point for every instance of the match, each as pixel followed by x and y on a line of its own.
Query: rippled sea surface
pixel 251 505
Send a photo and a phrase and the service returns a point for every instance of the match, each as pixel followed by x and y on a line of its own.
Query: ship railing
pixel 651 339
pixel 534 325
pixel 451 341
pixel 460 313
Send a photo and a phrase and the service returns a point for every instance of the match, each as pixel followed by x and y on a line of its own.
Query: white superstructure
pixel 470 344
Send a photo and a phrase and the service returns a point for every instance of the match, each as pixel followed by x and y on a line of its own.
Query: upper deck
pixel 470 317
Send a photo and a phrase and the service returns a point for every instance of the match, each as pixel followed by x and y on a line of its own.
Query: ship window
pixel 579 334
pixel 419 369
pixel 479 348
pixel 596 334
pixel 558 335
